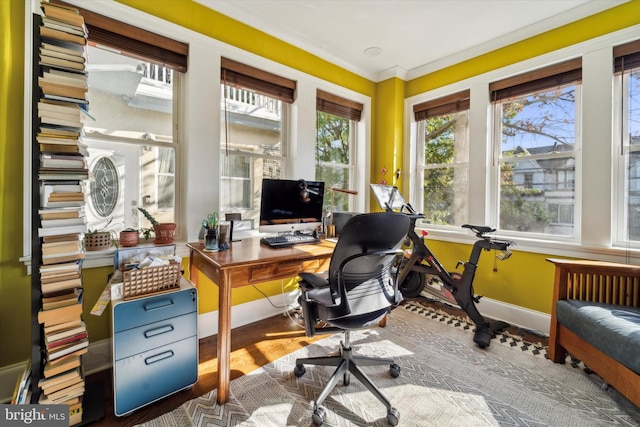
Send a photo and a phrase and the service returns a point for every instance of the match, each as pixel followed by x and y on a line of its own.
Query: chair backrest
pixel 361 274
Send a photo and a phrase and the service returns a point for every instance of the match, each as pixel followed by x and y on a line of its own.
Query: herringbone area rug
pixel 446 380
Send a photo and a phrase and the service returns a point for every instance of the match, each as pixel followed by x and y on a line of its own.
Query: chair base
pixel 346 364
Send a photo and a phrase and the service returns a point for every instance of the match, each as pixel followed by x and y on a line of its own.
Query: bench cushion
pixel 612 329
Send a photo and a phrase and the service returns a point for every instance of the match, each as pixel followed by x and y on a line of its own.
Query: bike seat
pixel 479 229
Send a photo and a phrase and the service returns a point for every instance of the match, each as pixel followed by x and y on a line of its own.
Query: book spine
pixel 59 87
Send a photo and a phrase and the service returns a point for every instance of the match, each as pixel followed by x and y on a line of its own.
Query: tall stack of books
pixel 62 107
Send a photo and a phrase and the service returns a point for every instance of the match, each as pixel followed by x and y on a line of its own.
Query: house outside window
pixel 536 145
pixel 443 159
pixel 254 113
pixel 627 130
pixel 129 136
pixel 336 120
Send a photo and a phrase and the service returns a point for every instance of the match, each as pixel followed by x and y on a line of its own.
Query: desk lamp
pixel 331 228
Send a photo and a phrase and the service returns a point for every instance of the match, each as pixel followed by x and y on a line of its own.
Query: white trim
pixel 593 245
pixel 201 119
pixel 243 314
pixel 530 320
pixel 99 355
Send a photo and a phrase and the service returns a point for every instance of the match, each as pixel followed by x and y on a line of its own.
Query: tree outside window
pixel 537 161
pixel 333 147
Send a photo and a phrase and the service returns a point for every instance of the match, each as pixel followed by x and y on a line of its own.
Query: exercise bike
pixel 420 271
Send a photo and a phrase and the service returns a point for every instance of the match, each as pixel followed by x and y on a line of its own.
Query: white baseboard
pixel 99 355
pixel 531 320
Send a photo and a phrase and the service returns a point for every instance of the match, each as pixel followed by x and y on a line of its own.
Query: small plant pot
pixel 97 241
pixel 129 238
pixel 164 232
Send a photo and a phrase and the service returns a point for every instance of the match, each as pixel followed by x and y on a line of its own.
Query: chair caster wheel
pixel 318 416
pixel 482 336
pixel 394 370
pixel 299 370
pixel 393 417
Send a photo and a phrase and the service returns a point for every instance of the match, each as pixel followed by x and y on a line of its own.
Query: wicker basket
pixel 149 281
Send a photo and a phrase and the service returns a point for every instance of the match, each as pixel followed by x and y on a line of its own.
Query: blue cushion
pixel 612 329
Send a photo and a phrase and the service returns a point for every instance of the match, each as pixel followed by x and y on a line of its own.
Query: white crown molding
pixel 587 9
pixel 241 14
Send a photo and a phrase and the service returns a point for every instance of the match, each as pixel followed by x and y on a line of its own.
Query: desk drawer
pixel 147 377
pixel 131 314
pixel 137 340
pixel 277 270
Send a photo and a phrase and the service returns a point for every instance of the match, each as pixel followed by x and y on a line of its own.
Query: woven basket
pixel 97 241
pixel 149 281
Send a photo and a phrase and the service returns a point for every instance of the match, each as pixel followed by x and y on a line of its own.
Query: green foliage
pixel 332 146
pixel 147 215
pixel 104 229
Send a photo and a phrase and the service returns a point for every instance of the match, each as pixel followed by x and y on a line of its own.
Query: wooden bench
pixel 603 284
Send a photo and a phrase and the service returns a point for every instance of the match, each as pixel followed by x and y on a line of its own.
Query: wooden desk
pixel 247 263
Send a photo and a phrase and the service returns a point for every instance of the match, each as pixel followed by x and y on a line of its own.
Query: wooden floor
pixel 252 346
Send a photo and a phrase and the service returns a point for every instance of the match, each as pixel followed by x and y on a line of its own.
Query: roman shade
pixel 338 106
pixel 134 41
pixel 234 73
pixel 626 56
pixel 449 104
pixel 543 78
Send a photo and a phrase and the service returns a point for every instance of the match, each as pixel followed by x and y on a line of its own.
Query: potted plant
pixel 129 237
pixel 164 231
pixel 99 239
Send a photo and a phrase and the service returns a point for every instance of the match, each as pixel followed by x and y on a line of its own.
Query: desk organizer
pixel 150 281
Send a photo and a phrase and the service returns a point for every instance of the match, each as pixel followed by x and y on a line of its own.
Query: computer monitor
pixel 288 206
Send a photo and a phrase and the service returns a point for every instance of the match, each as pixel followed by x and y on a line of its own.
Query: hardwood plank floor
pixel 252 346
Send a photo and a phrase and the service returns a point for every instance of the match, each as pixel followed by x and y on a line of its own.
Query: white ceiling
pixel 415 36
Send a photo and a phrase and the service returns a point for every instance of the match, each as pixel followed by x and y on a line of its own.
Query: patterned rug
pixel 446 380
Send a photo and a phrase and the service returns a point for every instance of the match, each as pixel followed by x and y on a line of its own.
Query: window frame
pixel 497 158
pixel 329 103
pixel 597 219
pixel 448 104
pixel 623 149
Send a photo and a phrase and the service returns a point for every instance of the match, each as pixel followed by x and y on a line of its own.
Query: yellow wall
pixel 387 132
pixel 617 18
pixel 524 280
pixel 15 306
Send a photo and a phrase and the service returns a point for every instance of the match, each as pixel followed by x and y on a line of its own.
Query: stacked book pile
pixel 62 108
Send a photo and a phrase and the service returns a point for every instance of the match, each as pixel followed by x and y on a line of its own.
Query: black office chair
pixel 360 290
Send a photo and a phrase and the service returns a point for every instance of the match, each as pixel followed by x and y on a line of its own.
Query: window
pixel 443 158
pixel 130 140
pixel 134 77
pixel 254 109
pixel 536 143
pixel 627 82
pixel 336 119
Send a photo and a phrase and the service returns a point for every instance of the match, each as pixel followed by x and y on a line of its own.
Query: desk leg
pixel 193 271
pixel 224 338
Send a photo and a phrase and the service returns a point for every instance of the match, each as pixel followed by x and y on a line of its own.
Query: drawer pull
pixel 158 331
pixel 158 357
pixel 155 305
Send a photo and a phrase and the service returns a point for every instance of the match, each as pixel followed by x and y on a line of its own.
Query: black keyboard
pixel 285 240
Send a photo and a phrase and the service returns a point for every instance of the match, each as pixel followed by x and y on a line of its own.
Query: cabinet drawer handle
pixel 157 331
pixel 158 357
pixel 155 305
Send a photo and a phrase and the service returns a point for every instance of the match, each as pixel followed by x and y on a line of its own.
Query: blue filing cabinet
pixel 155 347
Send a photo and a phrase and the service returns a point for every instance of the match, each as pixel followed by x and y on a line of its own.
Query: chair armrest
pixel 315 280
